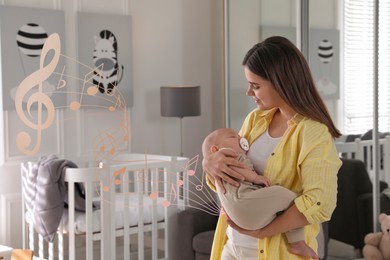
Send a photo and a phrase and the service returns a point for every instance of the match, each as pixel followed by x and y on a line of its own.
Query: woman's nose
pixel 249 91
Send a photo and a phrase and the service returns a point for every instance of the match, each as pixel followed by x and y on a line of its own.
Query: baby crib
pixel 137 196
pixel 363 150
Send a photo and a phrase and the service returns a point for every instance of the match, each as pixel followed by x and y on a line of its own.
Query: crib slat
pixel 107 228
pixel 71 209
pixel 140 186
pixel 61 241
pixel 88 210
pixel 51 250
pixel 41 247
pixel 154 188
pixel 31 237
pixel 126 224
pixel 386 154
pixel 166 188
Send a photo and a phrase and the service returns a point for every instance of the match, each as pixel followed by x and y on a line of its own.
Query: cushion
pixel 368 135
pixel 351 138
pixel 203 241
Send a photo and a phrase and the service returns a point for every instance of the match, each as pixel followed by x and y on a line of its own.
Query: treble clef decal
pixel 34 82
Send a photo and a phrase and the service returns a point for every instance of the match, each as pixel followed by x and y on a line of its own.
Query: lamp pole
pixel 181 136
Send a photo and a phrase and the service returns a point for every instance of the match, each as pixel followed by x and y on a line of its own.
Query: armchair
pixel 353 218
pixel 195 234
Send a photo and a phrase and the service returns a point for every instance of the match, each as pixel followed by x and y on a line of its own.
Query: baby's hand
pixel 261 180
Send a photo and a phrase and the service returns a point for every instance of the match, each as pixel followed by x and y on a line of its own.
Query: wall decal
pixel 23 32
pixel 324 56
pixel 104 42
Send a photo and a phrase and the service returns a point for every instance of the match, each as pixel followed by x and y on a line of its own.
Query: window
pixel 358 65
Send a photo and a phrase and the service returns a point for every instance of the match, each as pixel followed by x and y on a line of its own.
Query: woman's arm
pixel 290 219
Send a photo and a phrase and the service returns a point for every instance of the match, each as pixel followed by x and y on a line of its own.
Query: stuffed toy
pixel 377 245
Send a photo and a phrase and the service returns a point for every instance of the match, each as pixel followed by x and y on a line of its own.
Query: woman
pixel 291 143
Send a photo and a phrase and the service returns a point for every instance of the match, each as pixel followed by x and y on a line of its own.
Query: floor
pixel 340 251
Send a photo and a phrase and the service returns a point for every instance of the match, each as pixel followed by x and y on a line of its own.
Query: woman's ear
pixel 214 148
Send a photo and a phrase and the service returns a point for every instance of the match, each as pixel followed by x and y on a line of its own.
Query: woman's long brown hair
pixel 277 60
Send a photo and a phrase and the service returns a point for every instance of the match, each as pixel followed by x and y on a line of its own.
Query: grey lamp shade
pixel 180 101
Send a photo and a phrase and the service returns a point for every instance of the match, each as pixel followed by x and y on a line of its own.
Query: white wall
pixel 174 42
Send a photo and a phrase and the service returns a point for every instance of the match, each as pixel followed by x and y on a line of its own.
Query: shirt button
pixel 261 251
pixel 318 203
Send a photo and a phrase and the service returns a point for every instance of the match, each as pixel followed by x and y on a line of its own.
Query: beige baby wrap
pixel 252 207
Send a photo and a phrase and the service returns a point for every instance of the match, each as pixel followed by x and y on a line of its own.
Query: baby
pixel 254 204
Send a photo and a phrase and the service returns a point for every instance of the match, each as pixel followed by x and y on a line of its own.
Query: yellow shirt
pixel 304 161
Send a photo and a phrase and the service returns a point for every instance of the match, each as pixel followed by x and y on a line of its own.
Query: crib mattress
pixel 132 207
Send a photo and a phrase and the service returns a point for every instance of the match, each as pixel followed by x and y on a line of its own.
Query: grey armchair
pixel 352 218
pixel 195 234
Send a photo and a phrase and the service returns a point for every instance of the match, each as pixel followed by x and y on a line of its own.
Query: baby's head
pixel 223 138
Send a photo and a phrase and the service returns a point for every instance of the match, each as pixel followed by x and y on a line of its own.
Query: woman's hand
pixel 261 180
pixel 218 166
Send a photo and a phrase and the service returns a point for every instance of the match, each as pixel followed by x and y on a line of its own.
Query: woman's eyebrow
pixel 253 83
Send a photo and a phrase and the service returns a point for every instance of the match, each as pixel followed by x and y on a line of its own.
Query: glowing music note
pixel 118 103
pixel 119 172
pixel 125 131
pixel 92 90
pixel 179 183
pixel 153 195
pixel 199 187
pixel 190 172
pixel 61 82
pixel 102 147
pixel 167 203
pixel 23 139
pixel 112 141
pixel 193 163
pixel 124 126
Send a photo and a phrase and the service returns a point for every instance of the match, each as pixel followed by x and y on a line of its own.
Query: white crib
pixel 363 150
pixel 132 181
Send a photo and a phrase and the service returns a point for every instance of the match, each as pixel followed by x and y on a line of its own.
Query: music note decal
pixel 199 187
pixel 172 197
pixel 61 82
pixel 32 85
pixel 91 90
pixel 118 103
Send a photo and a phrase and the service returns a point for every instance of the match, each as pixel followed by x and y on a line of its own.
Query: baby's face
pixel 231 139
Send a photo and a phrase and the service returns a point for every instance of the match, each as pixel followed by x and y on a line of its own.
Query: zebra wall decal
pixel 105 58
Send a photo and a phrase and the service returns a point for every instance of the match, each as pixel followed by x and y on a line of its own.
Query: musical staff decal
pixel 156 187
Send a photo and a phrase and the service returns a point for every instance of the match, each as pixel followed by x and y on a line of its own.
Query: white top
pixel 5 250
pixel 258 153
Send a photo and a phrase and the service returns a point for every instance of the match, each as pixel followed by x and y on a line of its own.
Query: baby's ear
pixel 213 148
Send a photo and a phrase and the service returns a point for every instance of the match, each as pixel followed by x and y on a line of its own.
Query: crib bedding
pixel 132 206
pixel 46 192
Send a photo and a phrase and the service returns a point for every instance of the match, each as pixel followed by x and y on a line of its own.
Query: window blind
pixel 358 65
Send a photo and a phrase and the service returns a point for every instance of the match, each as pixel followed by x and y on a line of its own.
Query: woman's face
pixel 262 91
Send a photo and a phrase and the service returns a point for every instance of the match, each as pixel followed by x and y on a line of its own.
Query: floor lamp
pixel 180 101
